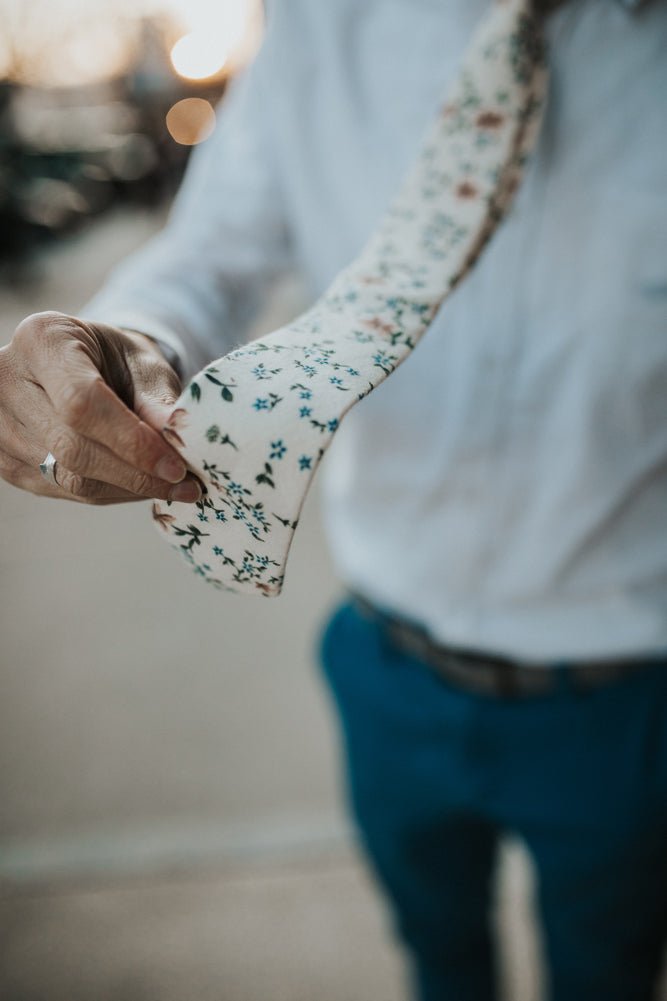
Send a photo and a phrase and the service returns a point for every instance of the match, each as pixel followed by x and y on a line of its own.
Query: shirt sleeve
pixel 197 285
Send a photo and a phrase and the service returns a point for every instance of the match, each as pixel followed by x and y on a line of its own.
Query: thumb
pixel 155 410
pixel 157 387
pixel 156 384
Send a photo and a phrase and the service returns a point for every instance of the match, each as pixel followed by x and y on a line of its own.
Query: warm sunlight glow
pixel 92 49
pixel 191 121
pixel 198 55
pixel 224 34
pixel 227 18
pixel 94 52
pixel 79 42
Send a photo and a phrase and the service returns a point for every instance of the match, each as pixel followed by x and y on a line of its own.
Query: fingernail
pixel 188 492
pixel 170 469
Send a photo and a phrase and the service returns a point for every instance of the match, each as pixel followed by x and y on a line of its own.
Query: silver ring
pixel 48 469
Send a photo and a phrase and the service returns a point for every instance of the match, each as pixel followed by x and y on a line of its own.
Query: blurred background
pixel 172 820
pixel 100 103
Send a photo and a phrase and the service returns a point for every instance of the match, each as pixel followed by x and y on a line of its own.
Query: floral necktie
pixel 255 424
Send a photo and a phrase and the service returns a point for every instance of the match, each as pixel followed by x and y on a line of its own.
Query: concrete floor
pixel 263 933
pixel 172 823
pixel 112 720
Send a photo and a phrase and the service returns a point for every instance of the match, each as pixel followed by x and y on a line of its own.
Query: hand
pixel 96 397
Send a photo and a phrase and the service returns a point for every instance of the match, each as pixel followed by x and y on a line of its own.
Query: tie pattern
pixel 255 424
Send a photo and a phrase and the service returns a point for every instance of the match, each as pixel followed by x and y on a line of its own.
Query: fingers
pixel 54 397
pixel 80 459
pixel 156 385
pixel 85 491
pixel 67 364
pixel 87 406
pixel 74 486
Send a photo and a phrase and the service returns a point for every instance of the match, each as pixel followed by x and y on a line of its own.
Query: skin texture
pixel 96 397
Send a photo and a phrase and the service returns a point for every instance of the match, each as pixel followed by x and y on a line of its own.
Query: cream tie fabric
pixel 254 424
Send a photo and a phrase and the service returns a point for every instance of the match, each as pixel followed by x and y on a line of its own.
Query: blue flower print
pixel 360 330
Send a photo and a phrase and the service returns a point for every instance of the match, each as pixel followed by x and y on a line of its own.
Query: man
pixel 498 506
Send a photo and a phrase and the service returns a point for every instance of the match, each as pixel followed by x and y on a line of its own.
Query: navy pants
pixel 437 774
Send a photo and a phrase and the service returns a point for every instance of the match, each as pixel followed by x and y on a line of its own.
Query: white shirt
pixel 507 486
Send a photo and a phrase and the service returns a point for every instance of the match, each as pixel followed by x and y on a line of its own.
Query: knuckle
pixel 143 484
pixel 139 447
pixel 25 337
pixel 76 404
pixel 69 450
pixel 168 382
pixel 78 486
pixel 33 327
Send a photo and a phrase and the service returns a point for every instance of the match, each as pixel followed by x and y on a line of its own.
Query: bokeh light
pixel 224 34
pixel 191 121
pixel 80 42
pixel 198 55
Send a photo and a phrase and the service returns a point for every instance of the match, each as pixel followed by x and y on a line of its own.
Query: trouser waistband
pixel 488 674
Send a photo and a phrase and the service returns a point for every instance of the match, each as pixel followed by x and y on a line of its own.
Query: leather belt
pixel 486 674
